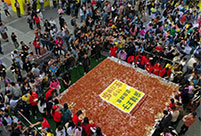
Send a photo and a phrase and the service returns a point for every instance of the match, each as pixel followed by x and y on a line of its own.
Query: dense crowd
pixel 161 37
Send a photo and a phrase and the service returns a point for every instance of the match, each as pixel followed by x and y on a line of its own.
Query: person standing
pixel 66 79
pixel 164 123
pixel 0 16
pixel 3 32
pixel 113 51
pixel 61 21
pixel 54 3
pixel 17 6
pixel 78 129
pixel 36 44
pixel 175 114
pixel 55 84
pixel 30 21
pixel 42 5
pixel 14 39
pixel 1 47
pixel 67 115
pixel 188 121
pixel 5 8
pixel 57 116
pixel 37 21
pixel 86 63
pixel 42 105
pixel 34 102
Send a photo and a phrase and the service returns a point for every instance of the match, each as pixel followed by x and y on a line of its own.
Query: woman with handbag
pixel 3 30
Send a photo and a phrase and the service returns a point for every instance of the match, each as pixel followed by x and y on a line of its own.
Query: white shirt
pixel 41 108
pixel 61 133
pixel 191 62
pixel 70 131
pixel 52 22
pixel 13 103
pixel 175 115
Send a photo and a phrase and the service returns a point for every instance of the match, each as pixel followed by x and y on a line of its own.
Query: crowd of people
pixel 161 37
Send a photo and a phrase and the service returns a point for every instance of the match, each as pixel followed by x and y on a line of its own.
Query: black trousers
pixel 86 69
pixel 6 12
pixel 57 124
pixel 31 25
pixel 34 110
pixel 18 12
pixel 37 50
pixel 0 48
pixel 183 130
pixel 98 55
pixel 38 25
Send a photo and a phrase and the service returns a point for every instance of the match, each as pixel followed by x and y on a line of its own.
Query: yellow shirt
pixel 50 134
pixel 26 98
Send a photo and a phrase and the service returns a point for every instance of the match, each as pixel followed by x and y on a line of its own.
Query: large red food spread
pixel 84 94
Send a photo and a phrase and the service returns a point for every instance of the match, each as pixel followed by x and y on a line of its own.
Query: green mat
pixel 76 74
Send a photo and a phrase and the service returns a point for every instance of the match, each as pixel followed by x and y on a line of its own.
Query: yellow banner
pixel 122 96
pixel 21 3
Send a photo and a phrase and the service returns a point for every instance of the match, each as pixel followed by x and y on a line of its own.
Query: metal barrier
pixel 38 132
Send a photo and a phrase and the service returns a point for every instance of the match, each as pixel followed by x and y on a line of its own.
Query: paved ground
pixel 20 27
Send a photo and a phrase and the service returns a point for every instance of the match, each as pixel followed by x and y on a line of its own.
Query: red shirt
pixel 45 123
pixel 159 48
pixel 137 57
pixel 48 94
pixel 183 18
pixel 157 69
pixel 113 51
pixel 144 60
pixel 34 98
pixel 163 72
pixel 131 59
pixel 149 68
pixel 171 105
pixel 36 44
pixel 92 3
pixel 37 20
pixel 57 116
pixel 75 119
pixel 87 128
